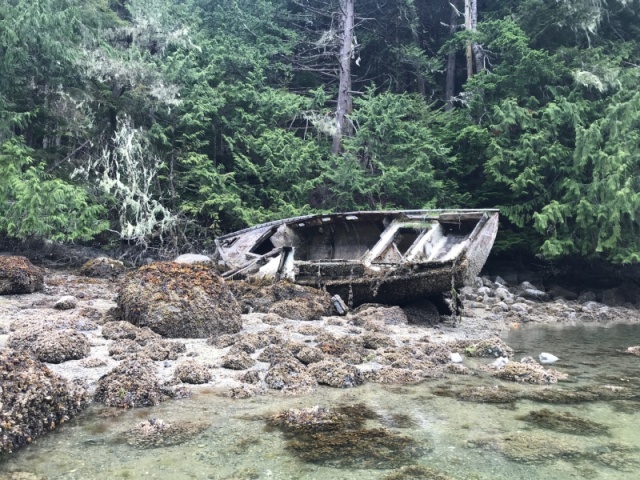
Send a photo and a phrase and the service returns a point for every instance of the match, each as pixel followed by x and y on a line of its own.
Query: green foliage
pixel 598 203
pixel 397 153
pixel 35 205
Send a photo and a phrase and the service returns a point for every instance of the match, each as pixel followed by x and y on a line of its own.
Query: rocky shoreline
pixel 279 339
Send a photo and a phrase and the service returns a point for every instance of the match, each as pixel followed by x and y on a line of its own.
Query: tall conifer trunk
pixel 451 60
pixel 345 100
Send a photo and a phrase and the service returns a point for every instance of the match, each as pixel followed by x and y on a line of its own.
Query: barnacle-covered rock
pixel 50 345
pixel 237 361
pixel 309 355
pixel 391 375
pixel 528 447
pixel 275 354
pixel 102 267
pixel 133 383
pixel 246 391
pixel 489 348
pixel 33 399
pixel 121 349
pixel 336 374
pixel 93 362
pixel 373 341
pixel 284 299
pixel 118 330
pixel 290 376
pixel 19 275
pixel 529 373
pixel 155 433
pixel 160 349
pixel 193 372
pixel 179 300
pixel 300 309
pixel 61 345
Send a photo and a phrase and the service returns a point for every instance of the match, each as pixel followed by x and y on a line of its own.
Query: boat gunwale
pixel 338 215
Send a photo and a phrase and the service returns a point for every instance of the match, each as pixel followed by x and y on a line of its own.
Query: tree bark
pixel 451 61
pixel 478 53
pixel 345 100
pixel 467 26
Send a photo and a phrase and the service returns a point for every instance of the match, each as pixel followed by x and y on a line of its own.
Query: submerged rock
pixel 336 437
pixel 19 275
pixel 33 399
pixel 414 472
pixel 563 422
pixel 155 433
pixel 102 267
pixel 374 448
pixel 179 300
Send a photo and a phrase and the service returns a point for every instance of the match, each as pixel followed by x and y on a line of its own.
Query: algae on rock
pixel 179 300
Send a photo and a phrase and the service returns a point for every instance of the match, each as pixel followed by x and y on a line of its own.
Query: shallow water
pixel 461 439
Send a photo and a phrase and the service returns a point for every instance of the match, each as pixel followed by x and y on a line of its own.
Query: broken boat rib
pixel 371 256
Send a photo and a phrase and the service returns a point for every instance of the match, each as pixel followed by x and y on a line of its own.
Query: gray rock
pixel 613 297
pixel 520 308
pixel 503 307
pixel 486 281
pixel 557 291
pixel 192 258
pixel 500 281
pixel 477 283
pixel 485 291
pixel 588 296
pixel 534 294
pixel 502 293
pixel 68 302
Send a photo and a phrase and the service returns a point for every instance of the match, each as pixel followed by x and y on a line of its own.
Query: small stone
pixel 68 302
pixel 547 358
pixel 455 357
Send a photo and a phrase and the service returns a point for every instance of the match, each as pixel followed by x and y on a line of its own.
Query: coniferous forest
pixel 158 124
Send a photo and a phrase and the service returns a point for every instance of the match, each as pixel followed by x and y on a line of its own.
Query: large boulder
pixel 33 399
pixel 179 300
pixel 19 275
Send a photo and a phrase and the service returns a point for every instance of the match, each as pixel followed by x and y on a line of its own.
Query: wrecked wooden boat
pixel 389 257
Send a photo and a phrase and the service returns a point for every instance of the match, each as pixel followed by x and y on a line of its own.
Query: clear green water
pixel 462 439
